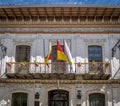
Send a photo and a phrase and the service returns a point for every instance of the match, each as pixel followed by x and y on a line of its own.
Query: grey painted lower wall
pixel 111 92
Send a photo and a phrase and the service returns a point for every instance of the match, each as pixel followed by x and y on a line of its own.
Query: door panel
pixel 58 98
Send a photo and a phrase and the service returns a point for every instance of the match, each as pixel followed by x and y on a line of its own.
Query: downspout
pixel 112 95
pixel 111 57
pixel 115 73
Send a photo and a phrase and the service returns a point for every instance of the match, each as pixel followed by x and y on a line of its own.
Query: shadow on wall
pixel 3 50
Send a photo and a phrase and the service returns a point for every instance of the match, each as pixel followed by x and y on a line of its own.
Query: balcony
pixel 58 70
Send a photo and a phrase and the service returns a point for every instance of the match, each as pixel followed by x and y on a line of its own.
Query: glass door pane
pixel 58 98
pixel 19 99
pixel 97 99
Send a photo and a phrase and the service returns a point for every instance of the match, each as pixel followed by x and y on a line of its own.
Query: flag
pixel 49 56
pixel 68 54
pixel 60 54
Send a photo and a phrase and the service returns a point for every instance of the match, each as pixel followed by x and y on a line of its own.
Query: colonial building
pixel 92 38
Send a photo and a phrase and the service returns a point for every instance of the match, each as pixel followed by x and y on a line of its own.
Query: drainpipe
pixel 112 95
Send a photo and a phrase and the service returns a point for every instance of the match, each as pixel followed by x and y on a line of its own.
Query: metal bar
pixel 115 47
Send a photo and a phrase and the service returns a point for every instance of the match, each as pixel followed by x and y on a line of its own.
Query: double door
pixel 58 98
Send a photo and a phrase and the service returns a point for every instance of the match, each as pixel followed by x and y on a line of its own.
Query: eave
pixel 65 14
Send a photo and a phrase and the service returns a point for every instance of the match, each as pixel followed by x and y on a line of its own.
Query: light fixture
pixel 79 94
pixel 37 95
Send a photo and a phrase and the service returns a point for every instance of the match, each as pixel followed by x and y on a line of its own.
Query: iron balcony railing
pixel 58 67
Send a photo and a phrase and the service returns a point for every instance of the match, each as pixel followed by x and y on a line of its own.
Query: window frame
pixel 20 91
pixel 96 46
pixel 26 44
pixel 95 95
pixel 97 91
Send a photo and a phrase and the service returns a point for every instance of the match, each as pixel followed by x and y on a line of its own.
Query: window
pixel 97 99
pixel 36 103
pixel 95 53
pixel 58 66
pixel 19 99
pixel 22 53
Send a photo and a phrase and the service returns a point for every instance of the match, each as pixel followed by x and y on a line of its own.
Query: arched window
pixel 58 98
pixel 97 99
pixel 95 53
pixel 22 53
pixel 19 99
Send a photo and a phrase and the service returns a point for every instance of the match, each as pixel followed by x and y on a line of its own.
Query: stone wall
pixel 78 44
pixel 111 92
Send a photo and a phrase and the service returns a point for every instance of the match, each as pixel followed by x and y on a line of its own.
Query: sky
pixel 75 2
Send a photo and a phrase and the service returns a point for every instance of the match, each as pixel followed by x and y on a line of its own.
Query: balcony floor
pixel 60 76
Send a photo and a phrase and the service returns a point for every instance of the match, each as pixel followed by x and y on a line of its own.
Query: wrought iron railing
pixel 58 67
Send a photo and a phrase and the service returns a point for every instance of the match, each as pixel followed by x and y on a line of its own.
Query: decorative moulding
pixel 61 81
pixel 54 30
pixel 94 40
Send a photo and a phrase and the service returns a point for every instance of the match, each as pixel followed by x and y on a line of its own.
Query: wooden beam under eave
pixel 103 14
pixel 30 15
pixel 112 11
pixel 22 15
pixel 54 12
pixel 5 13
pixel 45 10
pixel 14 13
pixel 119 18
pixel 95 13
pixel 38 14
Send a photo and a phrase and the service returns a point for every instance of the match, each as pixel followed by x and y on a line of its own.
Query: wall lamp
pixel 37 95
pixel 79 94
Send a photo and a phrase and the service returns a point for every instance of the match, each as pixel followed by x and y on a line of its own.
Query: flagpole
pixel 57 60
pixel 64 69
pixel 44 52
pixel 75 53
pixel 70 50
pixel 35 51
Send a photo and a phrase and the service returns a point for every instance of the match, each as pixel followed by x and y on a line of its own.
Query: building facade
pixel 92 35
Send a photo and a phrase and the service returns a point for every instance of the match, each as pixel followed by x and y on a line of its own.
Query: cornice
pixel 60 30
pixel 26 81
pixel 58 23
